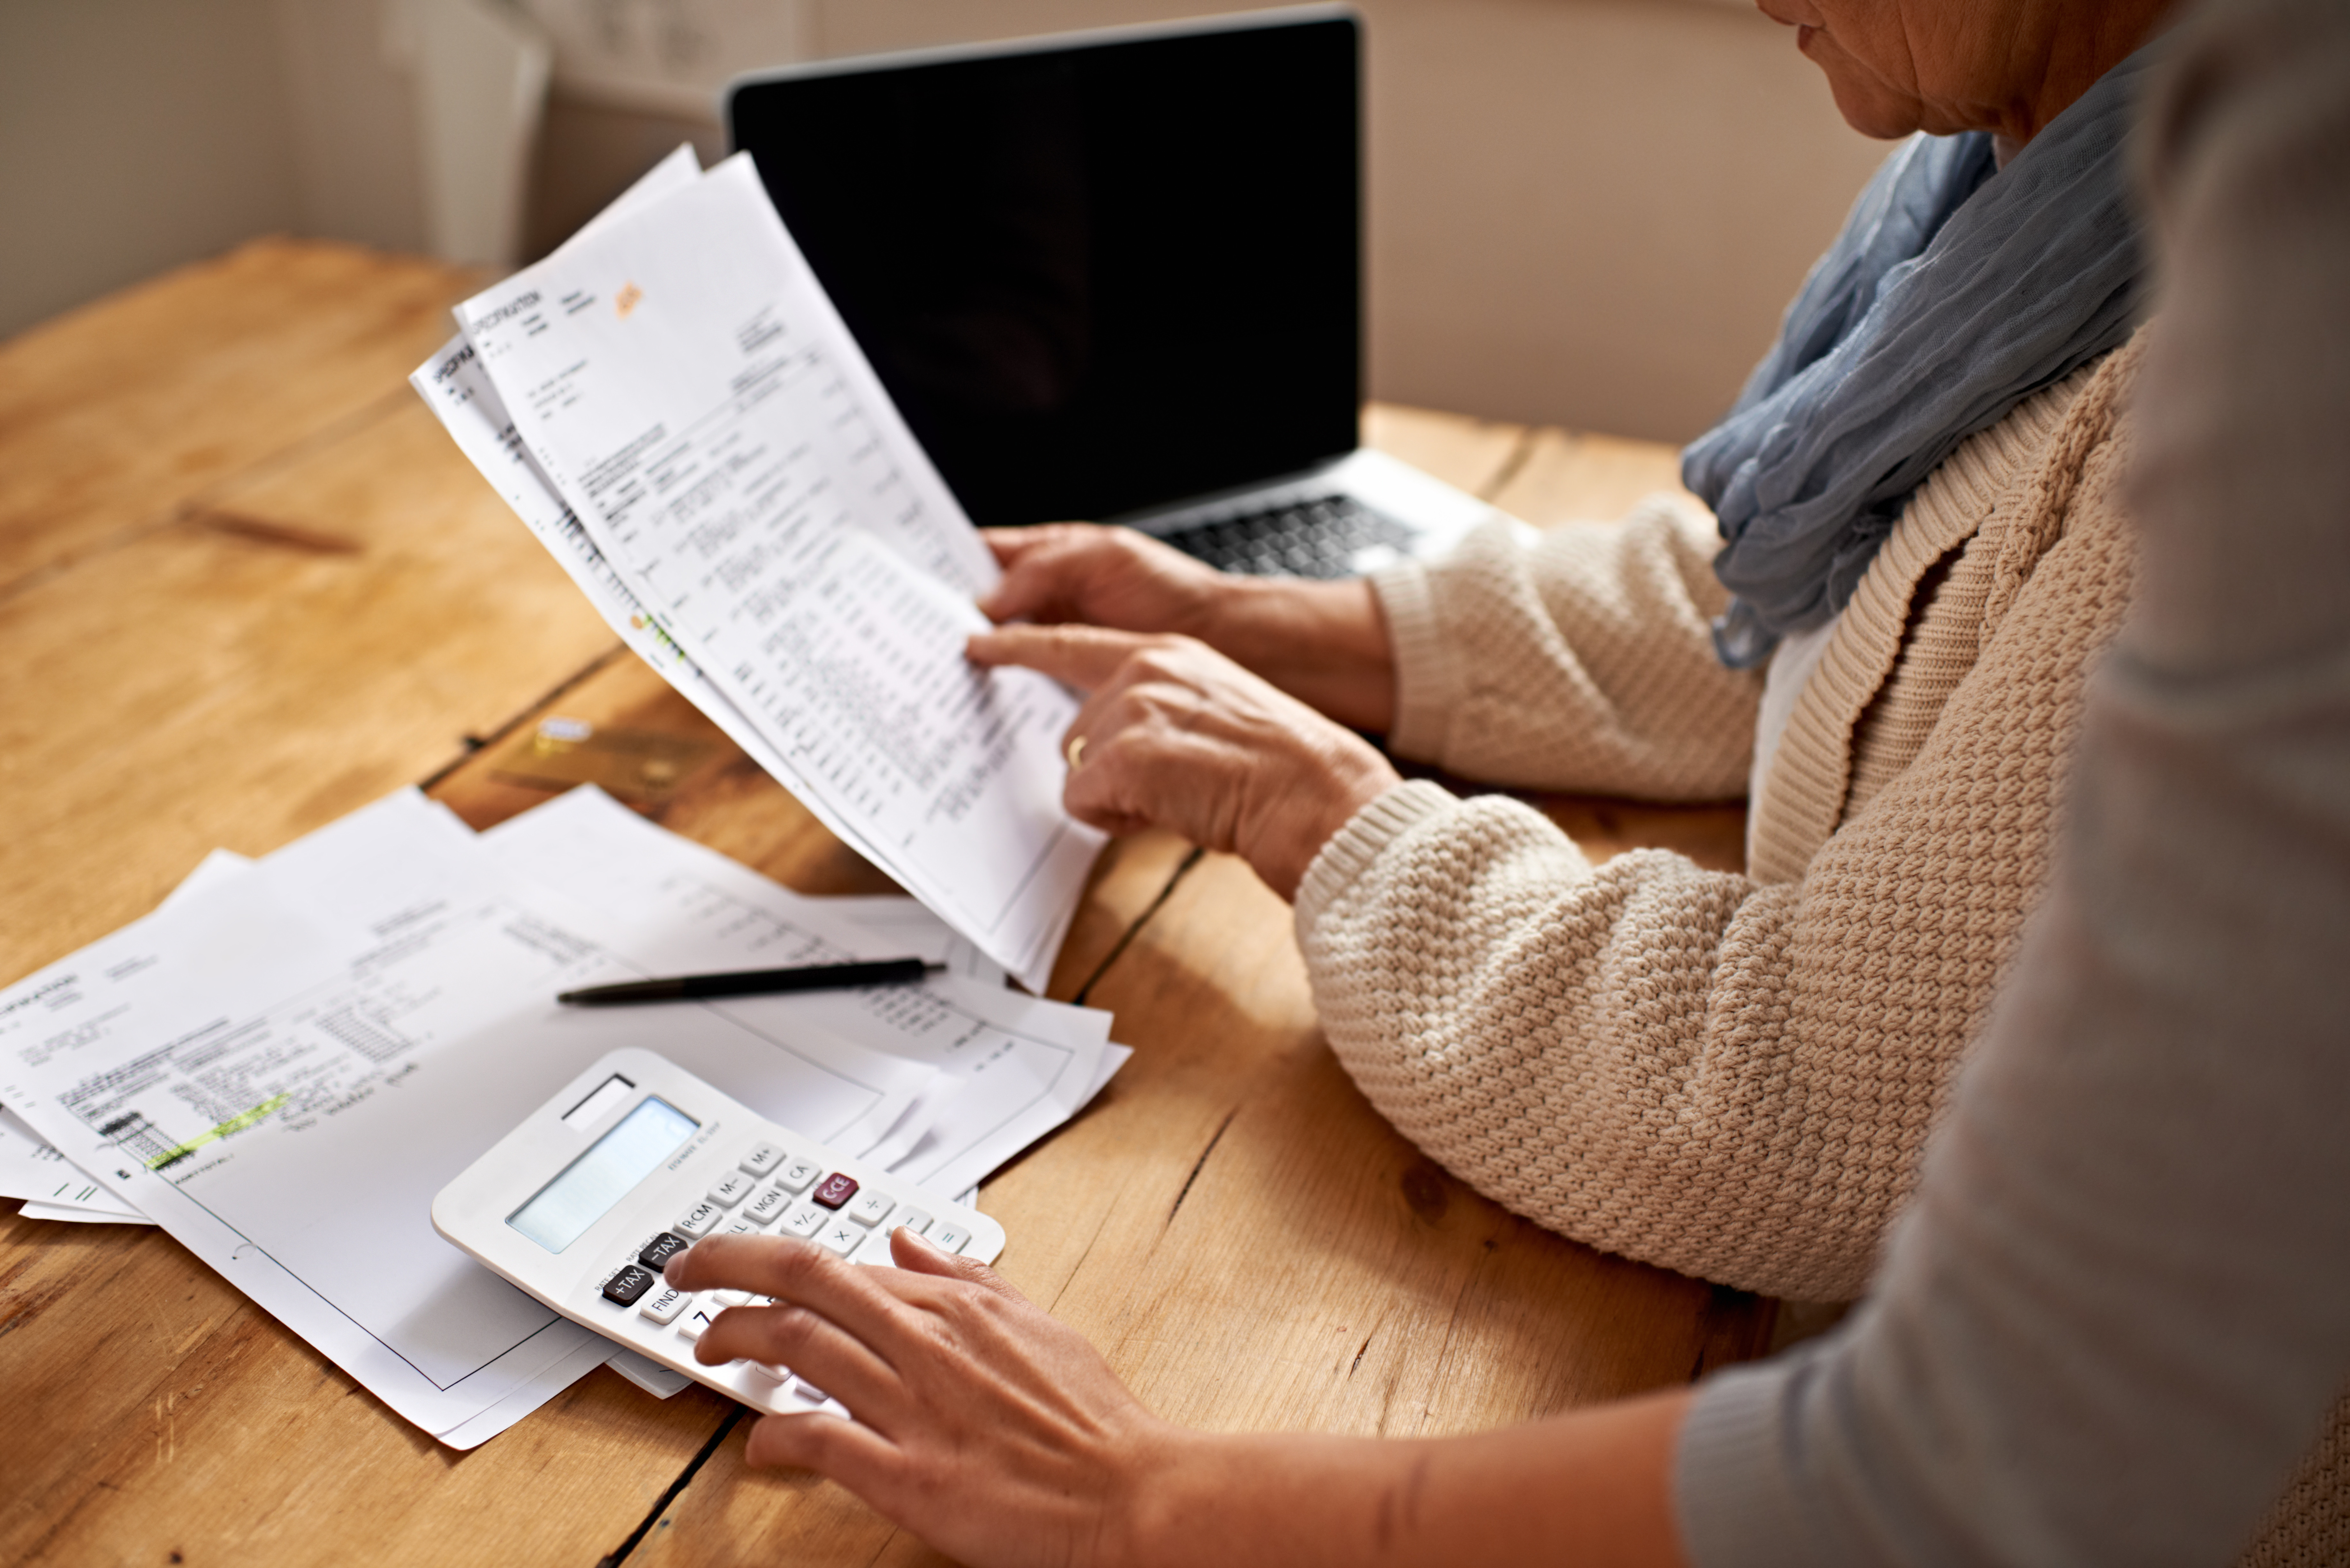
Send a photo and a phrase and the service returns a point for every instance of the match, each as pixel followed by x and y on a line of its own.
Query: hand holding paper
pixel 753 500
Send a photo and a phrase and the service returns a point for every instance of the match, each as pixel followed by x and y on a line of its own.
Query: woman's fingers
pixel 1102 576
pixel 989 1429
pixel 1084 657
pixel 917 1256
pixel 1045 577
pixel 856 1456
pixel 822 1351
pixel 798 1273
pixel 1179 736
pixel 1008 545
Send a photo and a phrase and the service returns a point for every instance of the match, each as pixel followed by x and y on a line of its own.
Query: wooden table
pixel 246 585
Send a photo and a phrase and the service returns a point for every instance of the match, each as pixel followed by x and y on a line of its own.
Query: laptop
pixel 1114 275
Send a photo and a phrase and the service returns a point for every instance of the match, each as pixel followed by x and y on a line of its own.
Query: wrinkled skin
pixel 1179 736
pixel 961 1389
pixel 999 1436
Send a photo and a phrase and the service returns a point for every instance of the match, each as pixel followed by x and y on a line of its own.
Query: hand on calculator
pixel 984 1424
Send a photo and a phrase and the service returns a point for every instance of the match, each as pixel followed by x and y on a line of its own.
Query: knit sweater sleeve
pixel 1579 658
pixel 1727 1077
pixel 1730 1079
pixel 1600 1049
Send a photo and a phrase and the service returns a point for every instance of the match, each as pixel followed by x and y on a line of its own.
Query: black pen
pixel 754 982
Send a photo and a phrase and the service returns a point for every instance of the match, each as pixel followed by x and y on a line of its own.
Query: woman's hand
pixel 987 1428
pixel 1325 643
pixel 1178 736
pixel 1085 574
pixel 999 1436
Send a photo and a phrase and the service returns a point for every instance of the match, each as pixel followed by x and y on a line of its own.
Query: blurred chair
pixel 482 71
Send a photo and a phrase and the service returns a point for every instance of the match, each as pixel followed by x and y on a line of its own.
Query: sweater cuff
pixel 1353 847
pixel 1735 1495
pixel 1428 680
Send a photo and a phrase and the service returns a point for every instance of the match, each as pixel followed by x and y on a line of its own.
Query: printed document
pixel 32 1168
pixel 286 1062
pixel 455 388
pixel 1008 1068
pixel 283 1070
pixel 677 376
pixel 52 1186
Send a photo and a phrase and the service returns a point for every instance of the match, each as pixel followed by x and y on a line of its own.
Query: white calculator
pixel 637 1159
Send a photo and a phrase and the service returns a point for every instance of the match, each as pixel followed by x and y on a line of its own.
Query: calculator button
pixel 875 1250
pixel 729 1298
pixel 623 1288
pixel 841 1236
pixel 772 1372
pixel 799 1175
pixel 810 1392
pixel 664 1305
pixel 730 1189
pixel 768 1207
pixel 949 1237
pixel 661 1248
pixel 694 1323
pixel 805 1220
pixel 835 1189
pixel 699 1220
pixel 871 1208
pixel 917 1221
pixel 762 1159
pixel 741 1228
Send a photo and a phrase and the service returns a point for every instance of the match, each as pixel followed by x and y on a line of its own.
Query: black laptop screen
pixel 1095 278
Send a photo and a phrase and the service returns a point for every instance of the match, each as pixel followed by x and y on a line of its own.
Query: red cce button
pixel 835 1189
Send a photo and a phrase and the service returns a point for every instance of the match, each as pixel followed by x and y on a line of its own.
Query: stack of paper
pixel 52 1186
pixel 674 408
pixel 284 1064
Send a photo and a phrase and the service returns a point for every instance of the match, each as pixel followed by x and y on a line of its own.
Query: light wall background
pixel 1582 212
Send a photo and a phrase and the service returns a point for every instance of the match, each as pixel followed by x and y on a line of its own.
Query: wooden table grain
pixel 247 586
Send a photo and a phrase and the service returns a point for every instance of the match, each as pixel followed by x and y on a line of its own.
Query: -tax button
pixel 661 1248
pixel 623 1288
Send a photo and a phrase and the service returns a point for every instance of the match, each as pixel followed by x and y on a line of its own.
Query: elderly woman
pixel 1729 1076
pixel 2088 1345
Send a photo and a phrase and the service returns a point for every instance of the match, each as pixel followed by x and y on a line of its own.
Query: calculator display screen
pixel 562 1211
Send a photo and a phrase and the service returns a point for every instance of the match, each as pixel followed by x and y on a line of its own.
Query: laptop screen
pixel 1097 276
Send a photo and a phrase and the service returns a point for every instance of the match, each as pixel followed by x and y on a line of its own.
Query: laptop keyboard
pixel 1315 538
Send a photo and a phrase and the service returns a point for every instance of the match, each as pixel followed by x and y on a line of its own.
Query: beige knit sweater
pixel 1729 1076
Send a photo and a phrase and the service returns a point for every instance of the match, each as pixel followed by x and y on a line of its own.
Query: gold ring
pixel 1076 752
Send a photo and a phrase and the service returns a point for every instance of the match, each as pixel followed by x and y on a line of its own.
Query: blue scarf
pixel 1953 294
